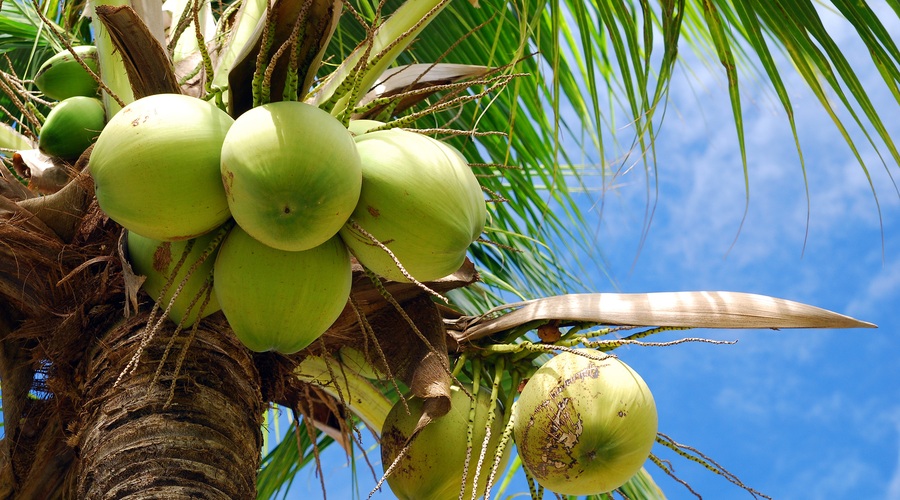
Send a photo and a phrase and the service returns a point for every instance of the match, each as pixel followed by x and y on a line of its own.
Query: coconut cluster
pixel 275 202
pixel 583 424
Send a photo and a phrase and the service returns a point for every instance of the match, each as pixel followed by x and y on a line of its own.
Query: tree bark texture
pixel 168 431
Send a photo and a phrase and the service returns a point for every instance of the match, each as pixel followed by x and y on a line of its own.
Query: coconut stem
pixel 470 427
pixel 393 257
pixel 492 84
pixel 460 364
pixel 352 87
pixel 194 72
pixel 291 84
pixel 667 469
pixel 207 61
pixel 386 41
pixel 392 467
pixel 268 38
pixel 370 334
pixel 184 20
pixel 696 456
pixel 501 446
pixel 495 394
pixel 8 88
pixel 537 491
pixel 609 345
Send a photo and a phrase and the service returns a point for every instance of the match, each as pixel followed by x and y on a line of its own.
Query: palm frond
pixel 280 466
pixel 591 67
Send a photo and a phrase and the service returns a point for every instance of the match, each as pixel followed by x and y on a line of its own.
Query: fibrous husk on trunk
pixel 45 329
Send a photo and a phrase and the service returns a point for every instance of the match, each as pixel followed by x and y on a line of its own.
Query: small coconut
pixel 433 466
pixel 62 77
pixel 584 426
pixel 156 167
pixel 276 300
pixel 71 126
pixel 420 199
pixel 292 174
pixel 157 259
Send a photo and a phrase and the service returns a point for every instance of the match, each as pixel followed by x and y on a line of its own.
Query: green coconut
pixel 433 466
pixel 157 259
pixel 71 126
pixel 420 199
pixel 292 174
pixel 583 426
pixel 276 300
pixel 62 77
pixel 156 167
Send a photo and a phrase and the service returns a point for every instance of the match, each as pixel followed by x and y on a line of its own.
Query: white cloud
pixel 879 292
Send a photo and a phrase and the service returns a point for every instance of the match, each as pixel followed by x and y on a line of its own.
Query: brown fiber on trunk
pixel 204 444
pixel 63 338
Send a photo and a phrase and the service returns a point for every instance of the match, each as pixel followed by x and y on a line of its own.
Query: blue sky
pixel 800 414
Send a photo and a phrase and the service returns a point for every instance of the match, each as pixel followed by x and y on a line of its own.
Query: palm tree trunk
pixel 166 431
pixel 185 423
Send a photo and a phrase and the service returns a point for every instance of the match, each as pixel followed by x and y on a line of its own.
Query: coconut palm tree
pixel 105 396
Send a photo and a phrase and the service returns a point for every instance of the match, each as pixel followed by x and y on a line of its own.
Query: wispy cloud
pixel 879 293
pixel 702 185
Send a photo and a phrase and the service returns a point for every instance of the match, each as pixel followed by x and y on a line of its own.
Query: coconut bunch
pixel 250 195
pixel 288 188
pixel 256 210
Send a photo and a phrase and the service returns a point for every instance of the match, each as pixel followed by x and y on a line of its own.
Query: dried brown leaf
pixel 675 309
